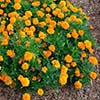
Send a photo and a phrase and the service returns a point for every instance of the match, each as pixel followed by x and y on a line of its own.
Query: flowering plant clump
pixel 45 43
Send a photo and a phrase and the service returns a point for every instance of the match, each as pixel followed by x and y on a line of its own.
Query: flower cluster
pixel 45 43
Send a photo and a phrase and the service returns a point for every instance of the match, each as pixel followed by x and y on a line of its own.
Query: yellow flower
pixel 26 96
pixel 17 1
pixel 12 20
pixel 1 58
pixel 81 45
pixel 17 6
pixel 40 92
pixel 68 58
pixel 44 69
pixel 27 22
pixel 68 35
pixel 78 85
pixel 73 18
pixel 52 48
pixel 74 34
pixel 34 78
pixel 88 44
pixel 60 15
pixel 93 75
pixel 48 9
pixel 74 9
pixel 22 34
pixel 62 3
pixel 1 11
pixel 40 13
pixel 28 14
pixel 42 24
pixel 83 55
pixel 56 63
pixel 25 66
pixel 9 27
pixel 93 60
pixel 42 35
pixel 28 56
pixel 10 53
pixel 64 69
pixel 52 6
pixel 63 79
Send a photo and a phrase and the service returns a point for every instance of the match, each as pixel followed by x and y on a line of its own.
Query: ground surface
pixel 92 8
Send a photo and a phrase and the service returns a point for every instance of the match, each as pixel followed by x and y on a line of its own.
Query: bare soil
pixel 91 92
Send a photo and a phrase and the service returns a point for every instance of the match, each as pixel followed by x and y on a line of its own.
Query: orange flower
pixel 78 85
pixel 64 25
pixel 93 75
pixel 73 64
pixel 28 56
pixel 44 69
pixel 56 63
pixel 62 3
pixel 25 81
pixel 50 30
pixel 64 69
pixel 81 45
pixel 47 53
pixel 60 15
pixel 1 58
pixel 40 92
pixel 9 27
pixel 4 42
pixel 40 13
pixel 35 21
pixel 26 96
pixel 68 58
pixel 93 60
pixel 42 35
pixel 17 6
pixel 17 1
pixel 81 32
pixel 1 12
pixel 25 66
pixel 68 35
pixel 74 9
pixel 52 48
pixel 83 55
pixel 12 20
pixel 74 34
pixel 48 9
pixel 34 78
pixel 52 6
pixel 33 29
pixel 36 3
pixel 77 72
pixel 22 34
pixel 10 53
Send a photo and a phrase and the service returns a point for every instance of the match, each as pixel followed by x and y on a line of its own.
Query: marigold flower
pixel 17 1
pixel 78 85
pixel 64 25
pixel 25 66
pixel 28 14
pixel 40 13
pixel 83 55
pixel 40 92
pixel 1 58
pixel 52 6
pixel 26 96
pixel 68 35
pixel 88 44
pixel 28 56
pixel 81 32
pixel 74 9
pixel 44 69
pixel 81 45
pixel 42 35
pixel 12 20
pixel 56 63
pixel 68 58
pixel 50 30
pixel 93 60
pixel 74 34
pixel 62 3
pixel 27 22
pixel 47 53
pixel 77 72
pixel 1 12
pixel 17 6
pixel 64 69
pixel 10 53
pixel 4 42
pixel 63 79
pixel 73 64
pixel 60 15
pixel 34 78
pixel 93 75
pixel 52 48
pixel 35 21
pixel 9 27
pixel 36 3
